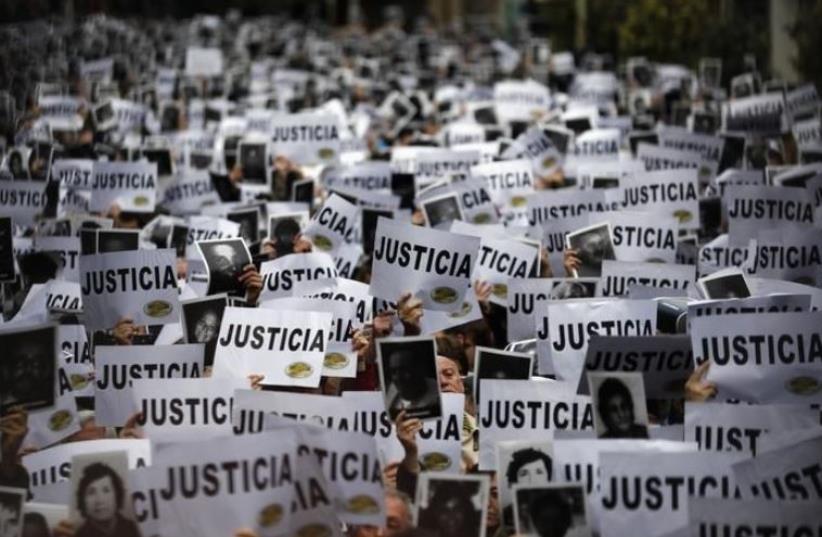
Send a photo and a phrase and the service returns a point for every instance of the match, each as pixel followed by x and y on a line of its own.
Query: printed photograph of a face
pixel 593 245
pixel 100 505
pixel 551 511
pixel 440 212
pixel 27 368
pixel 225 260
pixel 201 322
pixel 11 512
pixel 408 370
pixel 620 409
pixel 452 506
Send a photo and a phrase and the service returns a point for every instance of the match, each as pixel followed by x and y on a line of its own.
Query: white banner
pixel 131 185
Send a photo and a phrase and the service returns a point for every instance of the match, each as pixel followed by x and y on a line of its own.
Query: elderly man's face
pixel 449 376
pixel 224 258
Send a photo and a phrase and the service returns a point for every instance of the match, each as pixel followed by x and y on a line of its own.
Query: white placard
pixel 140 285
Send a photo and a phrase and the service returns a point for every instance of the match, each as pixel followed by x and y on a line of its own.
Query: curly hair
pixel 526 456
pixel 94 472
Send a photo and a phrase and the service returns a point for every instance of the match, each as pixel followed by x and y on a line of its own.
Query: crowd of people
pixel 198 102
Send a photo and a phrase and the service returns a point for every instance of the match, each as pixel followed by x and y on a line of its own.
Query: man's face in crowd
pixel 449 376
pixel 532 473
pixel 619 413
pixel 397 517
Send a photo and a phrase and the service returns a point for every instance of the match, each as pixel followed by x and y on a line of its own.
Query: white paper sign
pixel 140 285
pixel 306 138
pixel 333 225
pixel 116 367
pixel 572 323
pixel 184 408
pixel 528 409
pixel 516 100
pixel 131 185
pixel 671 192
pixel 618 276
pixel 651 490
pixel 751 208
pixel 286 347
pixel 22 200
pixel 204 62
pixel 289 275
pixel 787 473
pixel 243 481
pixel 735 427
pixel 188 193
pixel 764 357
pixel 435 266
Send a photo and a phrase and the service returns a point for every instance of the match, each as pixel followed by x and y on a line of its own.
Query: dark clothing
pixel 123 528
pixel 636 431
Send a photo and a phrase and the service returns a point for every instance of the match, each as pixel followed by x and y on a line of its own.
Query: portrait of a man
pixel 409 377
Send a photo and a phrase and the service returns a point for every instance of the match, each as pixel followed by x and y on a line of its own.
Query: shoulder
pixel 126 527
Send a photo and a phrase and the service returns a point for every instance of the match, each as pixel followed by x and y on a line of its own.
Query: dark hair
pixel 608 389
pixel 94 472
pixel 538 502
pixel 526 456
pixel 36 522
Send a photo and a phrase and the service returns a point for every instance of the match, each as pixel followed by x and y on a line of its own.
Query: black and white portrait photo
pixel 249 223
pixel 224 259
pixel 177 239
pixel 369 226
pixel 201 322
pixel 117 240
pixel 441 211
pixel 452 505
pixel 592 245
pixel 567 288
pixel 303 190
pixel 11 511
pixel 104 116
pixel 521 463
pixel 618 400
pixel 724 285
pixel 6 250
pixel 555 510
pixel 496 364
pixel 408 371
pixel 101 505
pixel 283 230
pixel 27 367
pixel 253 161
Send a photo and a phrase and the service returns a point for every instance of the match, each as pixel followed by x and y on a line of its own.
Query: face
pixel 101 500
pixel 619 413
pixel 408 379
pixel 223 258
pixel 206 328
pixel 397 517
pixel 451 518
pixel 549 522
pixel 449 376
pixel 532 473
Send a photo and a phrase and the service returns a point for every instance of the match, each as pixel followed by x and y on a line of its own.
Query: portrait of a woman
pixel 101 497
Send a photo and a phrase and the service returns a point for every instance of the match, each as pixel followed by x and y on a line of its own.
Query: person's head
pixel 406 373
pixel 206 327
pixel 397 517
pixel 223 257
pixel 10 513
pixel 550 514
pixel 100 494
pixel 448 374
pixel 454 512
pixel 529 466
pixel 35 525
pixel 616 406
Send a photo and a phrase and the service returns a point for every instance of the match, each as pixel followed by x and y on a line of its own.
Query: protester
pixel 641 235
